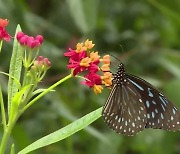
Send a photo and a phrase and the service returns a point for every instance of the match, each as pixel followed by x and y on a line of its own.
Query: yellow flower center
pixel 80 47
pixel 106 59
pixel 94 56
pixel 85 62
pixel 97 89
pixel 105 68
pixel 89 44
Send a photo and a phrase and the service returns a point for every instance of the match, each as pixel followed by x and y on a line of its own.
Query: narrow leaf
pixel 15 69
pixel 78 17
pixel 15 80
pixel 12 149
pixel 64 132
pixel 40 91
pixel 2 109
pixel 16 101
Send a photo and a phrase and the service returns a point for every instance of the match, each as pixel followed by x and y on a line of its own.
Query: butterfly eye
pixel 134 104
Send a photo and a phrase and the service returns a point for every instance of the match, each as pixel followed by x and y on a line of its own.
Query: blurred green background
pixel 148 31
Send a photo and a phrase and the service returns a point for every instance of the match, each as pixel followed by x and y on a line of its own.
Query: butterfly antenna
pixel 122 48
pixel 114 57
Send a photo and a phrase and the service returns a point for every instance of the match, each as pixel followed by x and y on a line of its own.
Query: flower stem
pixel 6 134
pixel 45 92
pixel 1 45
pixel 3 114
pixel 10 125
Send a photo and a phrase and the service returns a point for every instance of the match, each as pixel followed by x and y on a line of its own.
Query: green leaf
pixel 15 69
pixel 171 67
pixel 64 132
pixel 166 11
pixel 16 101
pixel 12 149
pixel 40 91
pixel 15 80
pixel 78 17
pixel 86 13
pixel 3 114
pixel 171 88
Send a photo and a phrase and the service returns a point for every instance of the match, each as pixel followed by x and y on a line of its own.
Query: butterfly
pixel 134 104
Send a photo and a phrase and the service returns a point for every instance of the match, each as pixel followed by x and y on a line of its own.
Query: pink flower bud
pixel 30 42
pixel 23 40
pixel 40 58
pixel 39 38
pixel 19 35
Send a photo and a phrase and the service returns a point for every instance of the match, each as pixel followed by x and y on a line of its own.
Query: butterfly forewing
pixel 134 104
pixel 121 111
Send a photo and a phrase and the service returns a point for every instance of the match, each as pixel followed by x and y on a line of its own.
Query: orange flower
pixel 107 75
pixel 80 47
pixel 94 56
pixel 105 68
pixel 83 59
pixel 97 89
pixel 89 44
pixel 106 59
pixel 107 79
pixel 85 62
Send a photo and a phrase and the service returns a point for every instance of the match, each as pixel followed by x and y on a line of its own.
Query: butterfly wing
pixel 124 111
pixel 161 113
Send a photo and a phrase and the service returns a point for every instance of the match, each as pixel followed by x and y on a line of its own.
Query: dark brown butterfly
pixel 134 104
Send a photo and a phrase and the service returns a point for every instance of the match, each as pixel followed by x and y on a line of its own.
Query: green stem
pixel 45 92
pixel 2 110
pixel 11 123
pixel 1 45
pixel 6 134
pixel 25 75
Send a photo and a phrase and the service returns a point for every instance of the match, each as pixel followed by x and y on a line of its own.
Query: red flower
pixel 82 59
pixel 93 67
pixel 75 60
pixel 4 22
pixel 4 35
pixel 76 66
pixel 92 79
pixel 74 56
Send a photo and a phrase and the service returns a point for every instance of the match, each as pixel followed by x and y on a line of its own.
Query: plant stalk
pixel 6 134
pixel 9 127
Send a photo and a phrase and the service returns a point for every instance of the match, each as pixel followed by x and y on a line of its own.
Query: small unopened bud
pixel 39 38
pixel 19 35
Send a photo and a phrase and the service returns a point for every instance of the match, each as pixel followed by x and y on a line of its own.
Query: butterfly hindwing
pixel 161 113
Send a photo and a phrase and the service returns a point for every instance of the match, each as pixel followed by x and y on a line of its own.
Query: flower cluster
pixel 82 59
pixel 3 33
pixel 39 68
pixel 29 41
pixel 29 44
pixel 42 63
